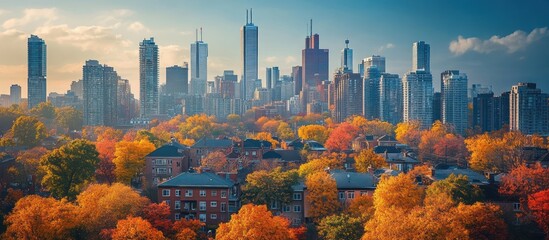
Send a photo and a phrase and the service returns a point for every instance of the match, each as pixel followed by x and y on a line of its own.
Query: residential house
pixel 396 158
pixel 282 157
pixel 204 146
pixel 166 162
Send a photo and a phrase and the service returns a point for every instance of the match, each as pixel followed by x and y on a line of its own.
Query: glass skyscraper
pixel 199 66
pixel 36 71
pixel 421 56
pixel 148 77
pixel 454 100
pixel 249 40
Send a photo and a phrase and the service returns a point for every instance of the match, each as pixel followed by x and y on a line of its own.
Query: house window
pixel 223 194
pixel 213 216
pixel 202 206
pixel 188 193
pixel 287 208
pixel 297 196
pixel 177 216
pixel 177 192
pixel 362 193
pixel 274 205
pixel 351 195
pixel 202 193
pixel 165 192
pixel 223 207
pixel 214 193
pixel 341 195
pixel 254 153
pixel 202 217
pixel 296 221
pixel 161 162
pixel 297 208
pixel 177 204
pixel 516 207
pixel 213 204
pixel 167 202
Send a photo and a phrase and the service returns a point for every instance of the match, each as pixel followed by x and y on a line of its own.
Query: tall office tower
pixel 77 87
pixel 15 94
pixel 124 102
pixel 199 66
pixel 478 89
pixel 347 58
pixel 347 95
pixel 276 76
pixel 148 78
pixel 390 95
pixel 269 78
pixel 100 94
pixel 177 79
pixel 484 112
pixel 374 60
pixel 36 78
pixel 421 56
pixel 249 43
pixel 502 104
pixel 529 109
pixel 371 99
pixel 315 68
pixel 437 107
pixel 229 84
pixel 454 100
pixel 417 93
pixel 297 77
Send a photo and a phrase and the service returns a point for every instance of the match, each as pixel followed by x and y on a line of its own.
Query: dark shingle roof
pixel 252 143
pixel 353 180
pixel 285 155
pixel 388 149
pixel 474 177
pixel 213 143
pixel 169 150
pixel 194 179
pixel 387 138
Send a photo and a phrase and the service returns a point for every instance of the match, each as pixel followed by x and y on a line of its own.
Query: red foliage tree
pixel 539 205
pixel 158 214
pixel 340 138
pixel 523 181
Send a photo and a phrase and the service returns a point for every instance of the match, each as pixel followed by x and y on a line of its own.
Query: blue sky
pixel 501 43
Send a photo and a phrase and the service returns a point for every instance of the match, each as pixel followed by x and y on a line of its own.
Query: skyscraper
pixel 390 98
pixel 100 94
pixel 297 77
pixel 15 94
pixel 199 66
pixel 347 58
pixel 177 79
pixel 36 78
pixel 148 78
pixel 315 68
pixel 371 100
pixel 421 56
pixel 484 112
pixel 347 94
pixel 269 78
pixel 529 109
pixel 374 60
pixel 417 89
pixel 275 77
pixel 454 99
pixel 249 42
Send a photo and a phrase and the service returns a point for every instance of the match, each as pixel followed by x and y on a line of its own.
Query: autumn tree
pixel 187 229
pixel 482 221
pixel 158 214
pixel 340 227
pixel 285 132
pixel 148 136
pixel 458 188
pixel 371 127
pixel 320 164
pixel 399 193
pixel 409 133
pixel 264 187
pixel 217 161
pixel 317 133
pixel 254 222
pixel 136 228
pixel 28 131
pixel 44 110
pixel 69 118
pixel 523 181
pixel 361 207
pixel 106 148
pixel 107 133
pixel 368 159
pixel 30 160
pixel 8 117
pixel 129 159
pixel 69 167
pixel 340 138
pixel 100 206
pixel 266 136
pixel 451 147
pixel 321 195
pixel 35 217
pixel 167 129
pixel 198 126
pixel 538 203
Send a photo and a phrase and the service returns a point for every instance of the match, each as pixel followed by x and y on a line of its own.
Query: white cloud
pixel 290 59
pixel 271 59
pixel 42 15
pixel 87 38
pixel 3 11
pixel 137 27
pixel 511 43
pixel 385 47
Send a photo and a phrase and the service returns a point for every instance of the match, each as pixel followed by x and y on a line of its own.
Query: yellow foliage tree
pixel 136 228
pixel 374 127
pixel 266 136
pixel 129 159
pixel 398 192
pixel 366 159
pixel 314 132
pixel 285 132
pixel 321 195
pixel 409 133
pixel 319 165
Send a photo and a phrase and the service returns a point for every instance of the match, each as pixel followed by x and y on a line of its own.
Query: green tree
pixel 69 167
pixel 69 118
pixel 458 188
pixel 341 227
pixel 264 187
pixel 28 131
pixel 44 110
pixel 8 117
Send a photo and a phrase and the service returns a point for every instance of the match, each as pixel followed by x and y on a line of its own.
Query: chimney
pixel 433 172
pixel 348 177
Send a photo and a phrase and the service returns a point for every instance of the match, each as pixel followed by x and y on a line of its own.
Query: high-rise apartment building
pixel 297 76
pixel 315 63
pixel 347 58
pixel 125 102
pixel 100 94
pixel 199 66
pixel 177 79
pixel 36 78
pixel 148 78
pixel 437 107
pixel 77 87
pixel 390 98
pixel 249 43
pixel 484 112
pixel 454 100
pixel 371 99
pixel 374 60
pixel 529 109
pixel 418 97
pixel 15 94
pixel 421 56
pixel 269 78
pixel 347 95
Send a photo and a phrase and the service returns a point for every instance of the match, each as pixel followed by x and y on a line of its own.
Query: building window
pixel 341 195
pixel 362 193
pixel 161 162
pixel 223 207
pixel 167 202
pixel 287 208
pixel 296 221
pixel 214 193
pixel 274 205
pixel 202 206
pixel 213 216
pixel 202 193
pixel 254 153
pixel 351 195
pixel 213 204
pixel 297 196
pixel 188 193
pixel 516 207
pixel 177 216
pixel 165 192
pixel 223 194
pixel 297 208
pixel 177 192
pixel 177 204
pixel 202 217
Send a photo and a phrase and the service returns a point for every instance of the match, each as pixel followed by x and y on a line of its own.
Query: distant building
pixel 269 78
pixel 68 99
pixel 390 95
pixel 371 91
pixel 199 66
pixel 37 63
pixel 177 79
pixel 15 94
pixel 529 109
pixel 125 102
pixel 249 43
pixel 100 94
pixel 437 107
pixel 315 65
pixel 347 95
pixel 374 60
pixel 454 100
pixel 418 97
pixel 347 58
pixel 297 76
pixel 77 87
pixel 148 78
pixel 421 56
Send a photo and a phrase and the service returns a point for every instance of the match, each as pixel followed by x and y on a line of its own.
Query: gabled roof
pixel 195 179
pixel 285 155
pixel 388 149
pixel 387 138
pixel 443 172
pixel 172 149
pixel 353 180
pixel 252 143
pixel 213 143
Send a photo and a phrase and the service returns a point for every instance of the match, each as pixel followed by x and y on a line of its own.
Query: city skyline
pixel 111 34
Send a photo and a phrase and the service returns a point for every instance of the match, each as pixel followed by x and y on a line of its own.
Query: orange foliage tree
pixel 320 164
pixel 371 127
pixel 321 195
pixel 105 171
pixel 254 222
pixel 314 132
pixel 539 206
pixel 217 161
pixel 136 228
pixel 130 159
pixel 366 159
pixel 409 133
pixel 187 229
pixel 523 181
pixel 158 214
pixel 451 147
pixel 340 138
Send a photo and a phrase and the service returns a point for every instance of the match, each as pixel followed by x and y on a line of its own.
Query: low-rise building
pixel 166 162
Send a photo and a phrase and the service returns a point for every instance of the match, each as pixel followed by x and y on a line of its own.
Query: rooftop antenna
pixel 307 29
pixel 311 27
pixel 347 43
pixel 247 16
pixel 196 35
pixel 201 34
pixel 251 16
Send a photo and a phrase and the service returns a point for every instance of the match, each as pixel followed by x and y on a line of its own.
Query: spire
pixel 251 17
pixel 201 34
pixel 247 16
pixel 196 35
pixel 347 43
pixel 311 33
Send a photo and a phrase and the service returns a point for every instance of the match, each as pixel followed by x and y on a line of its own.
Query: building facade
pixel 199 66
pixel 371 98
pixel 315 65
pixel 148 78
pixel 177 79
pixel 454 100
pixel 36 78
pixel 348 97
pixel 100 83
pixel 249 43
pixel 15 94
pixel 417 88
pixel 529 109
pixel 390 98
pixel 421 56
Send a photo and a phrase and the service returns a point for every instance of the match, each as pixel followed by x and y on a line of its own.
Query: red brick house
pixel 166 162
